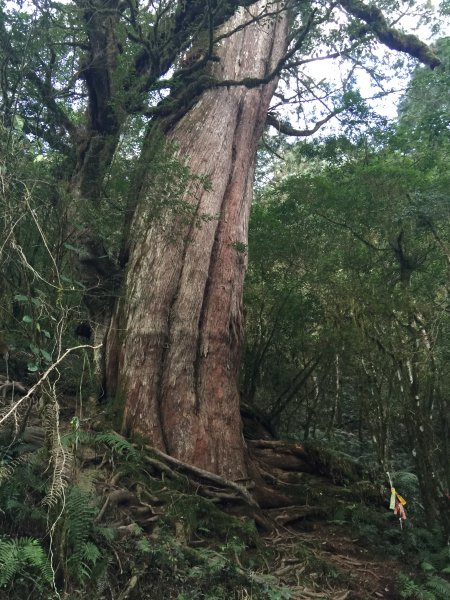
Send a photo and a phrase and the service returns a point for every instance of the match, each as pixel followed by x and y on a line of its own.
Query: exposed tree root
pixel 196 472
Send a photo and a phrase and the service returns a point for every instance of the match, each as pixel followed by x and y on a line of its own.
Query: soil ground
pixel 346 570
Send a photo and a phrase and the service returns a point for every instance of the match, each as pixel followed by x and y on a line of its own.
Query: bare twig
pixel 44 377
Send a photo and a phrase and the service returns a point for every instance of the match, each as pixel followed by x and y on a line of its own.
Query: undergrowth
pixel 73 547
pixel 420 551
pixel 126 525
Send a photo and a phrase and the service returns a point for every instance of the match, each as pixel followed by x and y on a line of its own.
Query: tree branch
pixel 251 82
pixel 297 382
pixel 390 37
pixel 357 235
pixel 287 129
pixel 52 367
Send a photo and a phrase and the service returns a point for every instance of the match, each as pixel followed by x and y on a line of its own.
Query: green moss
pixel 201 517
pixel 339 469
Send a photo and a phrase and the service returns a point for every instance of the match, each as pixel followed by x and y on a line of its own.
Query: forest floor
pixel 352 571
pixel 309 545
pixel 312 525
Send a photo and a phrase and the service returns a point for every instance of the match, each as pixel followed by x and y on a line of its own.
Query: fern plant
pixel 439 587
pixel 410 590
pixel 433 588
pixel 79 516
pixel 60 457
pixel 119 445
pixel 24 557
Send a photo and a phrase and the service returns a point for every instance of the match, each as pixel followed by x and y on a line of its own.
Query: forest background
pixel 129 137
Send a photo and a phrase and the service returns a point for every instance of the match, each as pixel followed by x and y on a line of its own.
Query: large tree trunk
pixel 174 347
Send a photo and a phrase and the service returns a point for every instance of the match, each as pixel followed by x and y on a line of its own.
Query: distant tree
pixel 348 310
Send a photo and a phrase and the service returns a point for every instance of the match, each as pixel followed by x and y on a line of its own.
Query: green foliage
pixel 433 588
pixel 425 111
pixel 85 553
pixel 22 489
pixel 204 572
pixel 23 494
pixel 408 485
pixel 347 330
pixel 78 517
pixel 334 336
pixel 410 590
pixel 118 444
pixel 201 517
pixel 439 586
pixel 23 560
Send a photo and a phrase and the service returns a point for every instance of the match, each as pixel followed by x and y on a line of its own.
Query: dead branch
pixel 44 377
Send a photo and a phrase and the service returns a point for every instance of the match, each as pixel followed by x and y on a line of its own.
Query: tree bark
pixel 174 346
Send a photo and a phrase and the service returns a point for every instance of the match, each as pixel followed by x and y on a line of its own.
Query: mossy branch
pixel 390 37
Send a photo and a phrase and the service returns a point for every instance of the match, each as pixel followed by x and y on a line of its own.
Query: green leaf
pixel 32 367
pixel 107 532
pixel 27 319
pixel 70 247
pixel 34 349
pixel 144 546
pixel 18 123
pixel 21 298
pixel 46 355
pixel 427 567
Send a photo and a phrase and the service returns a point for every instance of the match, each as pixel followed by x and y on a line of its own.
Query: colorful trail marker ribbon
pixel 400 511
pixel 395 497
pixel 397 502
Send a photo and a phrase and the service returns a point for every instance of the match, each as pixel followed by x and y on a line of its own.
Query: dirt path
pixel 330 563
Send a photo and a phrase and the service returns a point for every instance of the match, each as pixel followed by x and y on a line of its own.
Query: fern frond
pixel 79 516
pixel 439 586
pixel 427 567
pixel 9 563
pixel 18 555
pixel 118 444
pixel 61 459
pixel 33 553
pixel 70 438
pixel 7 468
pixel 91 553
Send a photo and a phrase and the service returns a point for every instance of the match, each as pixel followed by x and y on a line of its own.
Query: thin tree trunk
pixel 337 398
pixel 174 347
